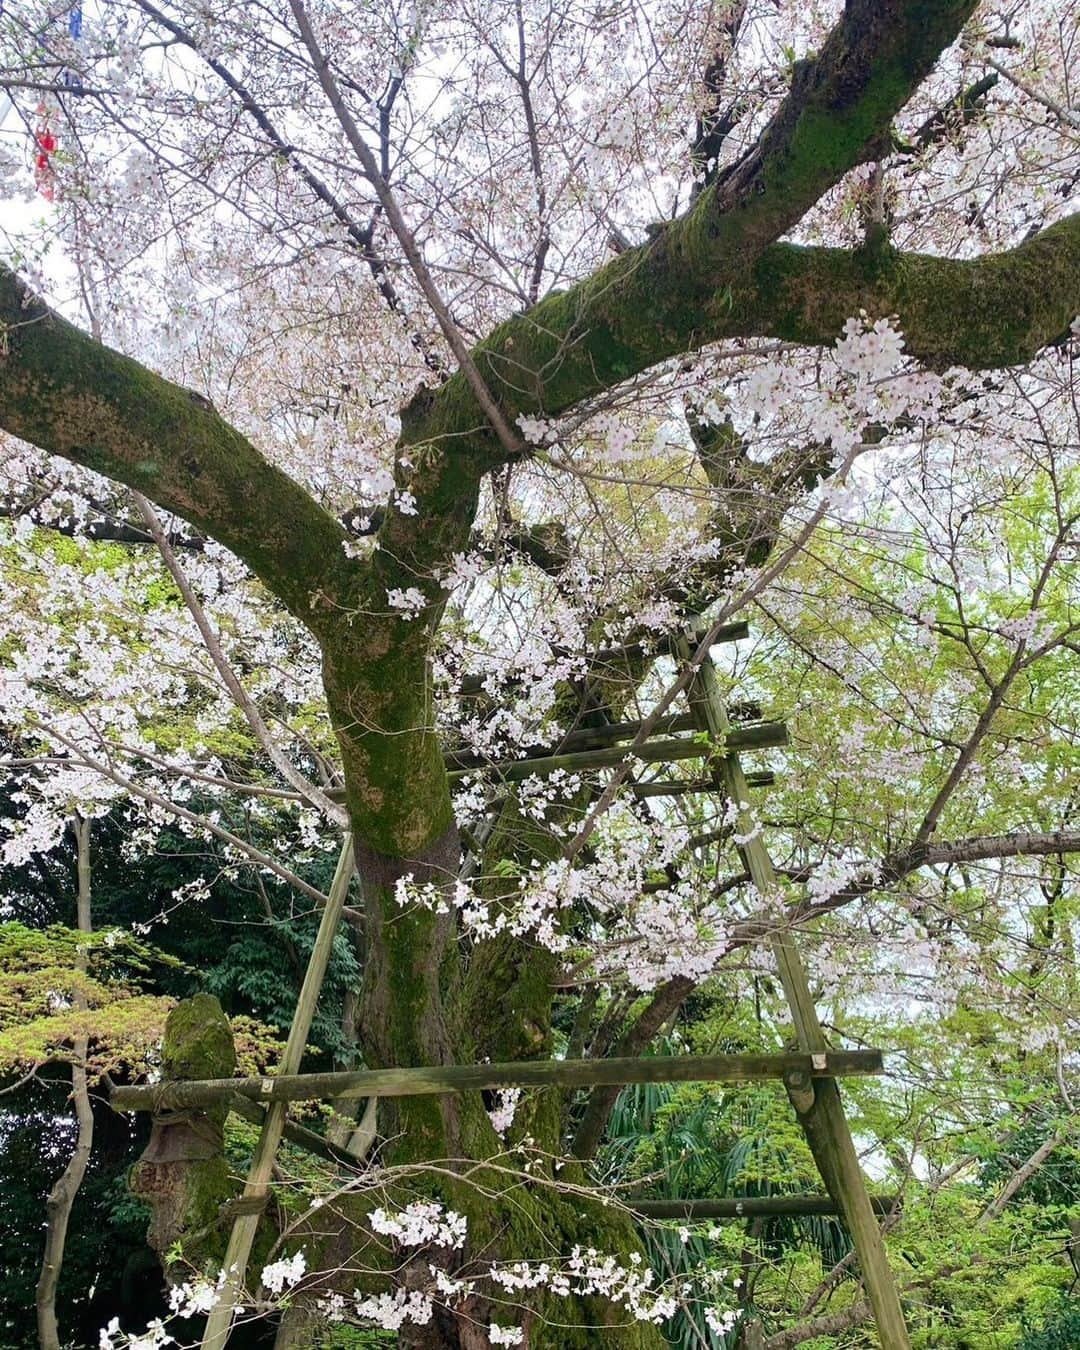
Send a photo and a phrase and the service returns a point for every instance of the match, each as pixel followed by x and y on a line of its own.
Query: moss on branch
pixel 679 291
pixel 74 397
pixel 983 313
pixel 667 298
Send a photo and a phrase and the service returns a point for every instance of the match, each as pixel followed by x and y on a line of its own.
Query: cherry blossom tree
pixel 383 389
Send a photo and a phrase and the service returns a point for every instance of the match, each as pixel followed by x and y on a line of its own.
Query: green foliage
pixel 1060 1330
pixel 40 978
pixel 133 982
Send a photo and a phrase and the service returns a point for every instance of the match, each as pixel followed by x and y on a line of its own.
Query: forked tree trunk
pixel 62 1196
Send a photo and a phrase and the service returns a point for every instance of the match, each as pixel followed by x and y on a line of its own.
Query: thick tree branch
pixel 895 866
pixel 961 109
pixel 832 1324
pixel 106 530
pixel 840 105
pixel 669 296
pixel 983 313
pixel 77 398
pixel 1021 1177
pixel 674 294
pixel 714 122
pixel 667 1000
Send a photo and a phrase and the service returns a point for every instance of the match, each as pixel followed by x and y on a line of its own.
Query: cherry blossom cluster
pixel 194 1298
pixel 869 384
pixel 96 678
pixel 420 1224
pixel 585 1273
pixel 504 1110
pixel 283 1273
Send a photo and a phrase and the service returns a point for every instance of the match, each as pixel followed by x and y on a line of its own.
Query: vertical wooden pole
pixel 818 1103
pixel 61 1197
pixel 258 1180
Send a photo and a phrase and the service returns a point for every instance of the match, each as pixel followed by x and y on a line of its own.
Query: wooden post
pixel 823 1119
pixel 256 1189
pixel 316 1144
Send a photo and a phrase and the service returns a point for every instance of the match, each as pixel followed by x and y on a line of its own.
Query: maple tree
pixel 460 344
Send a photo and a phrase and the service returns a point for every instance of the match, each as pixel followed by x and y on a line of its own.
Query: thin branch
pixel 1059 110
pixel 313 795
pixel 1021 1176
pixel 61 1198
pixel 249 851
pixel 511 442
pixel 361 236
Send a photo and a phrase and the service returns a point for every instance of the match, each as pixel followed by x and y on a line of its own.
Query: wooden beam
pixel 680 788
pixel 763 736
pixel 581 738
pixel 299 1135
pixel 438 1079
pixel 632 651
pixel 752 1207
pixel 728 632
pixel 756 736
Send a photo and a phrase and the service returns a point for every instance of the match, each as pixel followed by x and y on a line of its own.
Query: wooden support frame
pixel 674 788
pixel 695 1210
pixel 631 651
pixel 445 1078
pixel 684 787
pixel 299 1135
pixel 818 1104
pixel 809 1075
pixel 608 733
